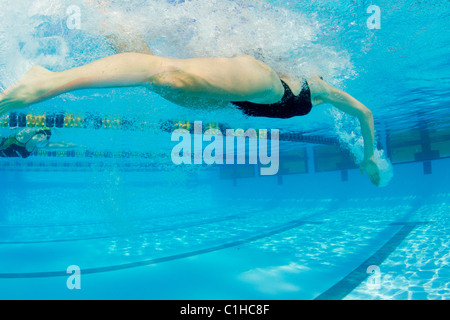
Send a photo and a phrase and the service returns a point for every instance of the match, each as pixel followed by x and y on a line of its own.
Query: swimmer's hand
pixel 371 167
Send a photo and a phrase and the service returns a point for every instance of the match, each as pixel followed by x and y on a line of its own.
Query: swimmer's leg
pixel 121 70
pixel 225 79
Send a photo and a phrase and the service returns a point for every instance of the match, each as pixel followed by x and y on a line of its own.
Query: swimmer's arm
pixel 61 145
pixel 346 103
pixel 324 93
pixel 321 93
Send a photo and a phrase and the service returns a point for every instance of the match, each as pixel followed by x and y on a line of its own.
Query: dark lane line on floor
pixel 344 287
pixel 110 236
pixel 260 235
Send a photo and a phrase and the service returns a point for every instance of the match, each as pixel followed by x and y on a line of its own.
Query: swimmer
pixel 24 143
pixel 242 81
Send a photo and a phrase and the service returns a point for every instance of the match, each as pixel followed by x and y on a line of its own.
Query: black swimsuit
pixel 11 148
pixel 290 105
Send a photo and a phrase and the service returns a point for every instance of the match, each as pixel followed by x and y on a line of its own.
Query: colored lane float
pixel 74 166
pixel 61 120
pixel 97 122
pixel 423 145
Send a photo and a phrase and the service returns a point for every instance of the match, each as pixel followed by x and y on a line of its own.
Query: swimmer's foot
pixel 30 89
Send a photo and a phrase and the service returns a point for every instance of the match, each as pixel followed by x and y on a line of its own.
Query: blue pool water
pixel 140 227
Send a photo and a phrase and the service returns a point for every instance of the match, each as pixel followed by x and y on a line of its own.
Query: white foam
pixel 288 41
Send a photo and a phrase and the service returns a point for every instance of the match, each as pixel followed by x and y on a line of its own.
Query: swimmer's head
pixel 42 137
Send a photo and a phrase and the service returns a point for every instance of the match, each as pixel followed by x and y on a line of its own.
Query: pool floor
pixel 325 251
